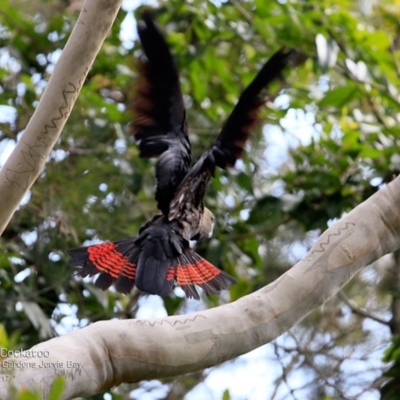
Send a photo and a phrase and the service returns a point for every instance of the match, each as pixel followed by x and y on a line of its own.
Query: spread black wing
pixel 229 145
pixel 159 123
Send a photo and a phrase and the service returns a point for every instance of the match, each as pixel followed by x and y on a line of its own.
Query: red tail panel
pixel 106 258
pixel 197 273
pixel 193 270
pixel 171 273
pixel 115 261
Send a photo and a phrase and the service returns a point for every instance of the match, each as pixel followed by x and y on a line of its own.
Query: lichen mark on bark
pixel 79 20
pixel 324 245
pixel 173 324
pixel 30 167
pixel 64 109
pixel 32 157
pixel 198 337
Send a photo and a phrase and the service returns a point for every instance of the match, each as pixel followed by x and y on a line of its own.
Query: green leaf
pixel 267 211
pixel 245 182
pixel 4 340
pixel 378 40
pixel 340 96
pixel 57 388
pixel 28 395
pixel 226 395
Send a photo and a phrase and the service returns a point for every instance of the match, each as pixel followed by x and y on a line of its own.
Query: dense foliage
pixel 330 140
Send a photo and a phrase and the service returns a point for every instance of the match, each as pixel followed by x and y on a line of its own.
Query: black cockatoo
pixel 160 257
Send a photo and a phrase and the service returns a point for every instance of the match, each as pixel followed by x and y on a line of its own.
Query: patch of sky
pixel 151 306
pixel 229 201
pixel 120 146
pixel 29 237
pixel 68 321
pixel 248 377
pixel 103 187
pixel 58 155
pixel 244 214
pixel 21 275
pixel 150 390
pixel 40 27
pixel 298 129
pixel 41 59
pixel 54 56
pixel 5 34
pixel 8 115
pixel 8 62
pixel 86 207
pixel 294 251
pixel 54 36
pixel 108 200
pixel 278 188
pixel 55 257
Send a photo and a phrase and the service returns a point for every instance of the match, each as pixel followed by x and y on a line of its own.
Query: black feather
pixel 230 143
pixel 244 116
pixel 160 122
pixel 104 281
pixel 124 284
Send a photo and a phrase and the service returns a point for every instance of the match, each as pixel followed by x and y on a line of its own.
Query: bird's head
pixel 207 224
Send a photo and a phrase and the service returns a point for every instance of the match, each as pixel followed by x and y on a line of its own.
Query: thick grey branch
pixel 29 156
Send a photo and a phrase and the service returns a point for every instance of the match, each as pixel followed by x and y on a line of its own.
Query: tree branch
pixel 29 156
pixel 358 311
pixel 108 353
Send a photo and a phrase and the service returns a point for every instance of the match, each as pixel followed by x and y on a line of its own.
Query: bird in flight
pixel 161 257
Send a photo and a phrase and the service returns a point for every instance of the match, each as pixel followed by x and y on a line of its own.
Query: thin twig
pixel 358 311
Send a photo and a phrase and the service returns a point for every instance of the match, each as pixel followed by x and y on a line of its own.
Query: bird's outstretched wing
pixel 159 123
pixel 230 143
